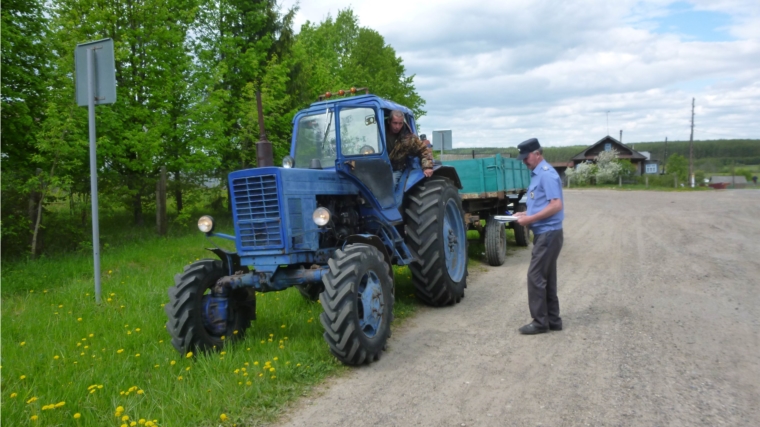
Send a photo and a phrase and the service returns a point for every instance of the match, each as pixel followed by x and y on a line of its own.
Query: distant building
pixel 651 166
pixel 639 160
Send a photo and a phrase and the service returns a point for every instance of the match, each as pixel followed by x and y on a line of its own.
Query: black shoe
pixel 531 329
pixel 555 327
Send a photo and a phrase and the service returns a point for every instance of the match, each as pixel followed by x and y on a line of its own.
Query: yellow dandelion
pixel 262 341
pixel 235 332
pixel 23 343
pixel 261 375
pixel 179 378
pixel 276 358
pixel 100 386
pixel 160 341
pixel 173 363
pixel 141 421
pixel 155 366
pixel 92 335
pixel 56 357
pixel 189 354
pixel 271 369
pixel 256 363
pixel 86 347
pixel 246 363
pixel 274 376
pixel 125 418
pixel 33 418
pixel 119 351
pixel 223 417
pixel 248 383
pixel 129 332
pixel 137 329
pixel 60 305
pixel 124 425
pixel 137 355
pixel 109 299
pixel 283 326
pixel 282 347
pixel 298 365
pixel 59 404
pixel 79 319
pixel 92 391
pixel 222 338
pixel 109 272
pixel 187 369
pixel 119 409
pixel 77 416
pixel 140 392
pixel 13 395
pixel 236 371
pixel 32 399
pixel 23 377
pixel 122 393
pixel 223 353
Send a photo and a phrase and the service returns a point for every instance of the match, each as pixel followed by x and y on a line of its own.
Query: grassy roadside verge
pixel 67 361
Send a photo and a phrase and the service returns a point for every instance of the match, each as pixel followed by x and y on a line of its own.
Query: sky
pixel 571 72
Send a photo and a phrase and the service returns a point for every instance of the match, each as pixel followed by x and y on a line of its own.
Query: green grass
pixel 58 345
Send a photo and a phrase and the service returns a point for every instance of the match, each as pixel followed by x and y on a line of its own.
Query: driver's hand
pixel 428 172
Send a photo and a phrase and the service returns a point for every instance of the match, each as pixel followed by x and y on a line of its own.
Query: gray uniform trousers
pixel 542 279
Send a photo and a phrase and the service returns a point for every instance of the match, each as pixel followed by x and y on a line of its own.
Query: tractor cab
pixel 349 135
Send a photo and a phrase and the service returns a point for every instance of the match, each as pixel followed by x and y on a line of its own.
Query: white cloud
pixel 499 72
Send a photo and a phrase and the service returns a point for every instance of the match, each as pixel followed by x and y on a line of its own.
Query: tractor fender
pixel 450 173
pixel 230 260
pixel 372 240
pixel 416 176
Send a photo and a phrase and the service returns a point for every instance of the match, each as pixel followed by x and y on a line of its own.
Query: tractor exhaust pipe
pixel 264 155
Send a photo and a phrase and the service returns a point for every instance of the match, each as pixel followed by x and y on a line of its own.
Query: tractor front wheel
pixel 358 304
pixel 199 321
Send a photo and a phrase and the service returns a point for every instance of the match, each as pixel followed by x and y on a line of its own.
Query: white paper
pixel 505 218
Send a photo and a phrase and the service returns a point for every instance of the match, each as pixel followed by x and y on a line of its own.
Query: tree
pixel 679 166
pixel 339 54
pixel 608 169
pixel 25 70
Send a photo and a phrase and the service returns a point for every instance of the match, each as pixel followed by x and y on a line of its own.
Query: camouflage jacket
pixel 408 144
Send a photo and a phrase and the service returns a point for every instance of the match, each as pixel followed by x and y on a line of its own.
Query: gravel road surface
pixel 660 299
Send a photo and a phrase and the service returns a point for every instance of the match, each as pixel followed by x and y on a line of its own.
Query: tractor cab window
pixel 315 139
pixel 359 132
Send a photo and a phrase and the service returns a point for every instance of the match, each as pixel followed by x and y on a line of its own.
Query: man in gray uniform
pixel 544 217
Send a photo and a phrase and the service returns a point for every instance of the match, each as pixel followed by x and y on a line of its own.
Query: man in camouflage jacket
pixel 402 143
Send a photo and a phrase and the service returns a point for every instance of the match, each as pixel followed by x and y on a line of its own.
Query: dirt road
pixel 660 297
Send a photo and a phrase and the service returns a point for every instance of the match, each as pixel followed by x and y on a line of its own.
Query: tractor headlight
pixel 321 216
pixel 288 162
pixel 367 150
pixel 206 224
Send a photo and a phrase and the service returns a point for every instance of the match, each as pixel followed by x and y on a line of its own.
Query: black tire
pixel 311 291
pixel 358 304
pixel 185 309
pixel 522 234
pixel 496 242
pixel 439 273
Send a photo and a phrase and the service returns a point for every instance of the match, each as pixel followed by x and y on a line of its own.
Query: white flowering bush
pixel 607 167
pixel 582 173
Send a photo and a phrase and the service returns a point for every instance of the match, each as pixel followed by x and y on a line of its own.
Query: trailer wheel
pixel 522 234
pixel 185 309
pixel 437 236
pixel 358 304
pixel 496 242
pixel 311 291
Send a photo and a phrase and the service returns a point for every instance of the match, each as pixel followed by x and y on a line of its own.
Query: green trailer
pixel 493 186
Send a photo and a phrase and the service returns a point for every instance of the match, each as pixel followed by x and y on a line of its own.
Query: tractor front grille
pixel 258 211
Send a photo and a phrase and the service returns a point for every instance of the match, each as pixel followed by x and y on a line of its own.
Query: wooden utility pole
pixel 665 157
pixel 691 146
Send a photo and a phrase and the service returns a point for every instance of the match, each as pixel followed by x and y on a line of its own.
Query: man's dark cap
pixel 526 147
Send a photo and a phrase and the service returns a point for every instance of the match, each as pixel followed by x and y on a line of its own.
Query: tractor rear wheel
pixel 192 315
pixel 496 242
pixel 522 233
pixel 437 236
pixel 358 304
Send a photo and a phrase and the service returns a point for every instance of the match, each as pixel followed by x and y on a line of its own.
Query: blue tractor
pixel 332 223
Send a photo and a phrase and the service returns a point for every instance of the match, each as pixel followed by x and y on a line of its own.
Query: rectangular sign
pixel 444 135
pixel 105 72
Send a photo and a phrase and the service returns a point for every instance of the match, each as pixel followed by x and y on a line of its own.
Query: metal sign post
pixel 95 66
